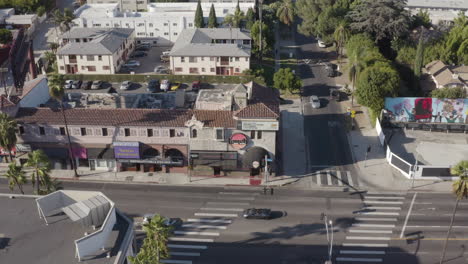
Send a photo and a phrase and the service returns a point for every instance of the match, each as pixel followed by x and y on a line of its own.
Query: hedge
pixel 172 78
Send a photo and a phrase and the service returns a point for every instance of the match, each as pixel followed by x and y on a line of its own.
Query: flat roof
pixel 446 4
pixel 25 238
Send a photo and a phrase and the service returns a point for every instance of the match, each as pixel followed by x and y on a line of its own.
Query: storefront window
pixel 102 163
pixel 83 163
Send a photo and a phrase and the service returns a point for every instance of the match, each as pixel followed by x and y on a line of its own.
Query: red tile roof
pixel 7 102
pixel 212 118
pixel 257 110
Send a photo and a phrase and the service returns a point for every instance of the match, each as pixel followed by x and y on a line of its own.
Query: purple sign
pixel 127 150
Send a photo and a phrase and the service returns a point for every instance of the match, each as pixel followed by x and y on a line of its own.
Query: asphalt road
pixel 364 224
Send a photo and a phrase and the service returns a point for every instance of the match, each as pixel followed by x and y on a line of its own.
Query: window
pixel 21 130
pixel 171 132
pixel 151 34
pixel 259 134
pixel 193 70
pixel 230 59
pixel 106 68
pixel 96 25
pixel 150 24
pixel 246 42
pixel 202 58
pixel 83 68
pixel 83 131
pixel 192 59
pixel 178 69
pixel 252 134
pixel 194 133
pixel 90 57
pixel 219 134
pixel 166 34
pixel 141 24
pixel 60 56
pixel 237 70
pixel 237 58
pixel 149 132
pixel 212 69
pixel 62 131
pixel 127 24
pixel 212 58
pixel 175 33
pixel 141 34
pixel 91 68
pixel 190 24
pixel 99 57
pixel 246 58
pixel 166 24
pixel 174 24
pixel 104 132
pixel 62 67
pixel 41 131
pixel 182 59
pixel 116 25
pixel 203 69
pixel 127 132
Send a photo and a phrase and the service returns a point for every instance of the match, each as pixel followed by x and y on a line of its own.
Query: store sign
pixel 238 141
pixel 154 161
pixel 80 153
pixel 23 148
pixel 5 152
pixel 260 125
pixel 127 150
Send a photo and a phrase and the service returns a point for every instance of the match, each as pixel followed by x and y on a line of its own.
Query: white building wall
pixel 38 95
pixel 207 65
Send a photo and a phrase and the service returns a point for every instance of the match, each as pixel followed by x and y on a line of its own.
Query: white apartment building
pixel 440 11
pixel 124 5
pixel 211 51
pixel 94 50
pixel 161 24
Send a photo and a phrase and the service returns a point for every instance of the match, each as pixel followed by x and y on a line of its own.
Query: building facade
pixel 216 51
pixel 94 50
pixel 439 11
pixel 124 5
pixel 161 23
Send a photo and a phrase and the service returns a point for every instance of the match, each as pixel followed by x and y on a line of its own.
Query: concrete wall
pixel 207 65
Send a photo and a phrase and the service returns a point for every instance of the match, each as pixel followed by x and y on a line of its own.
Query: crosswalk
pixel 331 178
pixel 196 234
pixel 369 235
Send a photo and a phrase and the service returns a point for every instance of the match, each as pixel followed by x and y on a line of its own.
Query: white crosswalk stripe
pixel 190 239
pixel 360 259
pixel 365 252
pixel 381 208
pixel 201 220
pixel 340 178
pixel 215 214
pixel 383 219
pixel 367 238
pixel 350 179
pixel 203 226
pixel 370 231
pixel 381 202
pixel 372 225
pixel 325 178
pixel 196 233
pixel 238 193
pixel 363 245
pixel 228 203
pixel 223 209
pixel 187 246
pixel 329 180
pixel 386 197
pixel 378 213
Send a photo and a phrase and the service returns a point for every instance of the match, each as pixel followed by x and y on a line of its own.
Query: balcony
pixel 224 61
pixel 72 60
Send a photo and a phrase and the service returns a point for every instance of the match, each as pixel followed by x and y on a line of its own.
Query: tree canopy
pixel 5 36
pixel 249 18
pixel 450 93
pixel 235 20
pixel 212 19
pixel 285 80
pixel 267 38
pixel 285 11
pixel 199 20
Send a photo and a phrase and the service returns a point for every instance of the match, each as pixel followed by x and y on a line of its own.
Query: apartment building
pixel 124 5
pixel 439 11
pixel 161 24
pixel 211 51
pixel 94 50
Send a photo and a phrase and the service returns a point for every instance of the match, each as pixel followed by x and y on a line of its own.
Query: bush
pixel 5 36
pixel 449 93
pixel 41 11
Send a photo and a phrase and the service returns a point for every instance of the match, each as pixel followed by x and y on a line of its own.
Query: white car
pixel 174 222
pixel 165 85
pixel 132 63
pixel 166 53
pixel 315 102
pixel 125 85
pixel 68 84
pixel 321 44
pixel 160 70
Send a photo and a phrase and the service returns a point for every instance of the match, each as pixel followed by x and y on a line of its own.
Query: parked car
pixel 76 84
pixel 138 54
pixel 174 222
pixel 166 53
pixel 125 85
pixel 321 43
pixel 86 85
pixel 153 86
pixel 253 213
pixel 165 85
pixel 315 101
pixel 175 86
pixel 164 58
pixel 96 85
pixel 132 63
pixel 143 48
pixel 335 94
pixel 161 70
pixel 68 84
pixel 125 69
pixel 196 85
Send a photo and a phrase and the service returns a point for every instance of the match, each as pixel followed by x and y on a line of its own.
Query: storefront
pixel 22 151
pixel 59 158
pixel 101 158
pixel 5 155
pixel 219 161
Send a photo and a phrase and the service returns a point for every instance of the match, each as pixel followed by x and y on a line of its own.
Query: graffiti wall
pixel 427 110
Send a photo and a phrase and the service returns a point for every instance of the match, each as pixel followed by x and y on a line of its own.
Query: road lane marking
pixel 194 233
pixel 204 226
pixel 189 239
pixel 363 245
pixel 436 227
pixel 213 214
pixel 229 203
pixel 377 213
pixel 350 180
pixel 359 259
pixel 191 254
pixel 173 261
pixel 340 178
pixel 201 220
pixel 187 246
pixel 319 179
pixel 223 209
pixel 364 252
pixel 381 202
pixel 431 238
pixel 238 193
pixel 375 219
pixel 408 215
pixel 371 231
pixel 237 198
pixel 367 238
pixel 372 225
pixel 386 197
pixel 329 180
pixel 386 193
pixel 381 208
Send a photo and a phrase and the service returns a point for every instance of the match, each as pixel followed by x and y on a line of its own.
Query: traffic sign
pixel 353 115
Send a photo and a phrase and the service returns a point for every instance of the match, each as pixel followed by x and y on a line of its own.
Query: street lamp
pixel 329 236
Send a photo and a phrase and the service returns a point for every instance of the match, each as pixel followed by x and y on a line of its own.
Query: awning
pixel 56 153
pixel 101 153
pixel 253 154
pixel 231 164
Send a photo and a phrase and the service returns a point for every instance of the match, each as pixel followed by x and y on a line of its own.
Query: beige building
pixel 445 76
pixel 94 50
pixel 124 5
pixel 211 51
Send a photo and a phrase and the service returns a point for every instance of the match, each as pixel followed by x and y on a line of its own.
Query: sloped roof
pixel 435 67
pixel 257 110
pixel 29 85
pixel 447 77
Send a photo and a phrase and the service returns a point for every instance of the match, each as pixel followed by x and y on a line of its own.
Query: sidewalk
pixel 375 172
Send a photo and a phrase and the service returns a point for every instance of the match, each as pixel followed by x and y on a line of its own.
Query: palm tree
pixel 67 18
pixel 285 11
pixel 235 20
pixel 16 177
pixel 460 189
pixel 7 133
pixel 56 90
pixel 341 35
pixel 41 168
pixel 53 47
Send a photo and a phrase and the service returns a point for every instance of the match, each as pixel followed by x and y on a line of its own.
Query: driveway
pixel 151 61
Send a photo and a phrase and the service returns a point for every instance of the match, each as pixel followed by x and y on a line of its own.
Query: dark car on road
pixel 253 213
pixel 335 94
pixel 153 86
pixel 76 84
pixel 330 68
pixel 86 85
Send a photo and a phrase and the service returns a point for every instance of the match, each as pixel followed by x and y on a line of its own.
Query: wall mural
pixel 427 110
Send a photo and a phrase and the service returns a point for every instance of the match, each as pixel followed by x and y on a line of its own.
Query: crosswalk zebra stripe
pixel 340 179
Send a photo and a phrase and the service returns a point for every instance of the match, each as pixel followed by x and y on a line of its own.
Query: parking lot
pixel 151 61
pixel 135 88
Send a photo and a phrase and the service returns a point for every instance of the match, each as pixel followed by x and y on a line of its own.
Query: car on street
pixel 165 85
pixel 132 64
pixel 196 85
pixel 125 85
pixel 315 102
pixel 153 86
pixel 76 84
pixel 173 222
pixel 68 84
pixel 87 85
pixel 164 58
pixel 161 70
pixel 96 85
pixel 175 86
pixel 335 94
pixel 138 54
pixel 330 68
pixel 253 213
pixel 321 43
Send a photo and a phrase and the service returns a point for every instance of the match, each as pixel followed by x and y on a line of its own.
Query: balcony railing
pixel 224 63
pixel 72 60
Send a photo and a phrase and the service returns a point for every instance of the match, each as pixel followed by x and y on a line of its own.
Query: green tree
pixel 375 83
pixel 460 189
pixel 285 12
pixel 41 11
pixel 406 55
pixel 39 162
pixel 16 177
pixel 212 20
pixel 199 19
pixel 285 80
pixel 450 93
pixel 155 244
pixel 7 133
pixel 249 18
pixel 418 60
pixel 456 44
pixel 5 36
pixel 341 35
pixel 421 19
pixel 56 91
pixel 267 38
pixel 235 20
